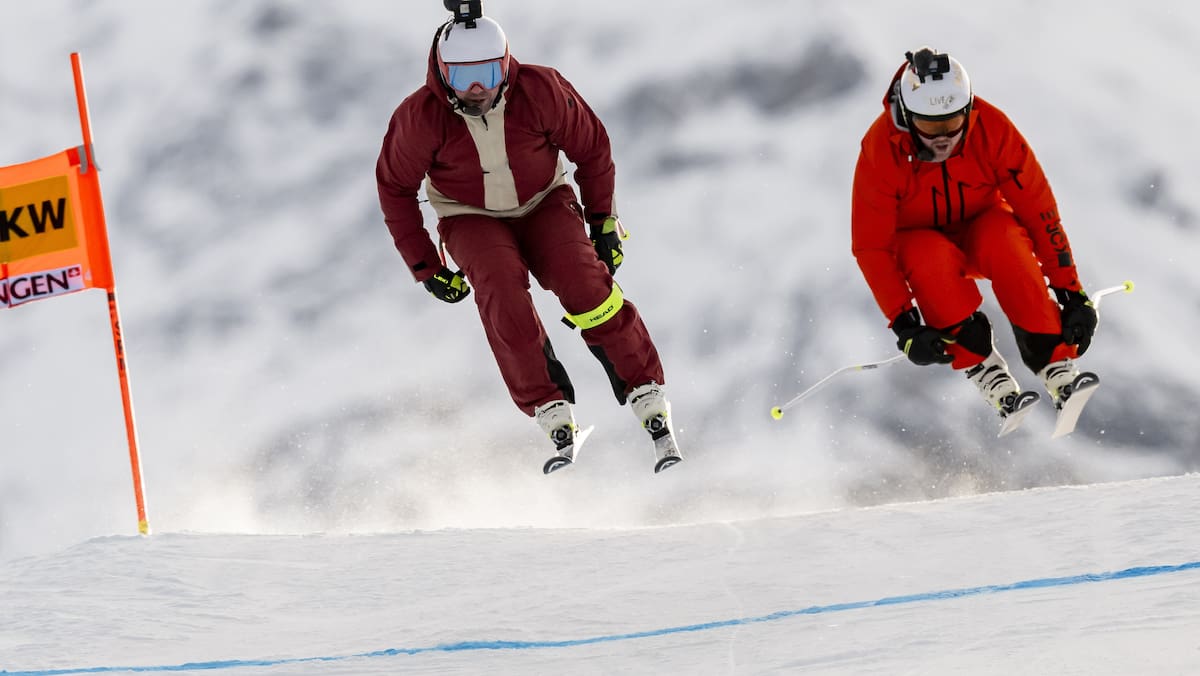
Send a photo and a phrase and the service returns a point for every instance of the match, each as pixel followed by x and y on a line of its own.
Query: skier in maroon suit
pixel 484 135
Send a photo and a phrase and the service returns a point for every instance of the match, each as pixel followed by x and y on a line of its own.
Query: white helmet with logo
pixel 459 43
pixel 471 54
pixel 933 86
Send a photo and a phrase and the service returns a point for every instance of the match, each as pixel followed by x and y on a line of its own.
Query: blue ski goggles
pixel 488 74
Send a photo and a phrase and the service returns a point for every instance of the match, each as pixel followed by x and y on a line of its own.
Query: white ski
pixel 567 454
pixel 1082 389
pixel 1021 408
pixel 666 452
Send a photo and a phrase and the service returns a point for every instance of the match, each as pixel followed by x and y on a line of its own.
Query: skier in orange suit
pixel 947 192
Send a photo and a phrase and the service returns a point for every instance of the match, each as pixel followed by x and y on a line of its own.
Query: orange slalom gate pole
pixel 114 314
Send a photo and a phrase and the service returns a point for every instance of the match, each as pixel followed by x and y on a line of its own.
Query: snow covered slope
pixel 1093 580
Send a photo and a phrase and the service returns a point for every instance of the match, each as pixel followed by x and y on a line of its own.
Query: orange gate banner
pixel 52 235
pixel 53 241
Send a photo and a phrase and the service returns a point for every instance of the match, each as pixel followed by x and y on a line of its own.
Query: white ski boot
pixel 1070 389
pixel 651 407
pixel 1059 378
pixel 557 420
pixel 1000 389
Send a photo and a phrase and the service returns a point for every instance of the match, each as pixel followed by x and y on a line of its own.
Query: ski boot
pixel 1000 390
pixel 558 422
pixel 650 406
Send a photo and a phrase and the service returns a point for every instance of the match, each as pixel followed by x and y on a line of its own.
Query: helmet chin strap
pixel 458 105
pixel 473 111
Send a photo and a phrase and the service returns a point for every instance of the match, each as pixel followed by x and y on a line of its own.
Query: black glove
pixel 1079 318
pixel 606 234
pixel 924 345
pixel 448 286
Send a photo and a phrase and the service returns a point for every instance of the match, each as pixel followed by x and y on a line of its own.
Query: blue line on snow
pixel 1143 571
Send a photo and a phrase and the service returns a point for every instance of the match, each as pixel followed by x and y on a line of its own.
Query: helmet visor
pixel 488 74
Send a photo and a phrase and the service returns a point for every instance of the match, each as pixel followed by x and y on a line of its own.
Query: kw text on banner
pixel 52 239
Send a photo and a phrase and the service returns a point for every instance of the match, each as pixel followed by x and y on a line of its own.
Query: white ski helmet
pixel 461 43
pixel 933 86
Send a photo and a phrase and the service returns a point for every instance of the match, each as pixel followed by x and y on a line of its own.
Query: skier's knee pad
pixel 975 334
pixel 1037 349
pixel 600 314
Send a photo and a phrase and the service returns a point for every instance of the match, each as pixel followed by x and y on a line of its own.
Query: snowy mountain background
pixel 289 377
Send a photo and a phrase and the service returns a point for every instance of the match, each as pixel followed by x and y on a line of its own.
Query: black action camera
pixel 925 63
pixel 465 11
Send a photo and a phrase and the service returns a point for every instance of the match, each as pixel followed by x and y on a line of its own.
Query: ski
pixel 666 452
pixel 566 455
pixel 1022 405
pixel 1082 389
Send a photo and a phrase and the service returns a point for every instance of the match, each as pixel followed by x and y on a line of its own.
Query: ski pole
pixel 1126 286
pixel 777 412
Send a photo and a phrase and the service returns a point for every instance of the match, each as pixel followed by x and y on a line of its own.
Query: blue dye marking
pixel 464 646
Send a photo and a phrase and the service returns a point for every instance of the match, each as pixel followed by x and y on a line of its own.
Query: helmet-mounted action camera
pixel 925 63
pixel 465 11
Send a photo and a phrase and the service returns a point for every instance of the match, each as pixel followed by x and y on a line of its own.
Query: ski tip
pixel 1086 384
pixel 1021 407
pixel 668 461
pixel 562 460
pixel 554 464
pixel 777 413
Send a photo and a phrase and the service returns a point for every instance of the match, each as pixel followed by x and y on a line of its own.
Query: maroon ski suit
pixel 505 210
